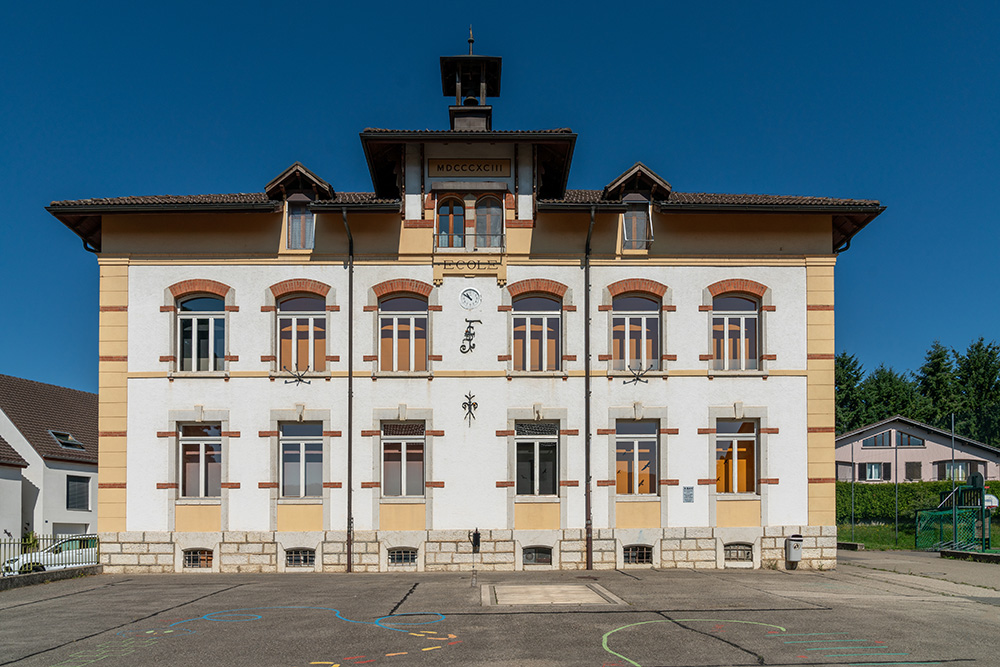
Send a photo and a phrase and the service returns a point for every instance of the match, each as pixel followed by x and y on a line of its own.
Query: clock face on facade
pixel 470 298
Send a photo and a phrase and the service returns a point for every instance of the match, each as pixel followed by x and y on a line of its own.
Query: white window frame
pixel 950 468
pixel 544 315
pixel 641 316
pixel 734 438
pixel 302 442
pixel 870 466
pixel 395 316
pixel 538 441
pixel 405 442
pixel 202 442
pixel 294 316
pixel 305 227
pixel 637 244
pixel 725 363
pixel 633 439
pixel 215 363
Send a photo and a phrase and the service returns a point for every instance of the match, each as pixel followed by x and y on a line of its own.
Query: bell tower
pixel 471 79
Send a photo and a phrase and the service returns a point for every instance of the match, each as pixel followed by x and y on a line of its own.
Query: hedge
pixel 876 503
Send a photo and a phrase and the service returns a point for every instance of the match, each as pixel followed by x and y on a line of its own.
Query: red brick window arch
pixel 736 324
pixel 201 324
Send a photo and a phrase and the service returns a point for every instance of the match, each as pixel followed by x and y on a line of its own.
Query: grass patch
pixel 882 537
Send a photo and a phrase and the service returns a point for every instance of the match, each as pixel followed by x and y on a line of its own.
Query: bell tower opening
pixel 470 79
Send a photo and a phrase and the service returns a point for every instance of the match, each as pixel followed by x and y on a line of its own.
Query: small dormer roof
pixel 298 178
pixel 637 178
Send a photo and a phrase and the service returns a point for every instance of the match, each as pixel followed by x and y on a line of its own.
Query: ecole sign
pixel 471 266
pixel 476 168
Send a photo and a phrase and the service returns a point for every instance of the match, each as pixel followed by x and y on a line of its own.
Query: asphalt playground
pixel 877 608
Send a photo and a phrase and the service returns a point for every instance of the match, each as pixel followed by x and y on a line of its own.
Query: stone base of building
pixel 136 552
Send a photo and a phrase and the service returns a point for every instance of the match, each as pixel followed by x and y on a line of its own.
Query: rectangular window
pixel 907 440
pixel 77 493
pixel 537 446
pixel 883 439
pixel 301 227
pixel 201 460
pixel 637 230
pixel 734 342
pixel 914 471
pixel 959 470
pixel 876 471
pixel 736 456
pixel 635 456
pixel 403 334
pixel 403 459
pixel 301 460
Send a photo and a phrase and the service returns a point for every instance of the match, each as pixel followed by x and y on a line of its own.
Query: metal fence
pixel 38 553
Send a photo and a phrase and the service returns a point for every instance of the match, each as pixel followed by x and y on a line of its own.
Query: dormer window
pixel 66 440
pixel 301 225
pixel 637 232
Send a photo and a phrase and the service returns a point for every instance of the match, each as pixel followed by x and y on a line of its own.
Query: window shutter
pixel 77 493
pixel 861 472
pixel 886 471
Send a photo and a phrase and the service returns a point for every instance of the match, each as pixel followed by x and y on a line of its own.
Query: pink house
pixel 904 450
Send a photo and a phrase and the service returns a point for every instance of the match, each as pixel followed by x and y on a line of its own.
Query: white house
pixel 53 430
pixel 11 465
pixel 307 379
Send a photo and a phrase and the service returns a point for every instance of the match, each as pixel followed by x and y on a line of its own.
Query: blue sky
pixel 892 101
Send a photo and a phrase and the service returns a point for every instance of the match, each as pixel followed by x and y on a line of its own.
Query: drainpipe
pixel 586 392
pixel 350 392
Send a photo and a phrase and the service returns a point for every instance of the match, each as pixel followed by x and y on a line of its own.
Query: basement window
pixel 537 556
pixel 198 558
pixel 402 556
pixel 638 554
pixel 738 552
pixel 300 558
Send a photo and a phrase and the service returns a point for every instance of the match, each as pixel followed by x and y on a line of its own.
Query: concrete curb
pixel 851 546
pixel 19 580
pixel 971 555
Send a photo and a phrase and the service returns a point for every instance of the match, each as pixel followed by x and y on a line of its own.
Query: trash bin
pixel 793 550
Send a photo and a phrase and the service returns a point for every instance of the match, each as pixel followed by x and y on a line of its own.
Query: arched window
pixel 302 333
pixel 403 333
pixel 635 333
pixel 537 333
pixel 451 223
pixel 489 223
pixel 735 333
pixel 402 556
pixel 201 333
pixel 197 558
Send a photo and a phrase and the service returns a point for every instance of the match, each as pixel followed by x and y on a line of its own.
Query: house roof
pixel 9 457
pixel 849 436
pixel 36 409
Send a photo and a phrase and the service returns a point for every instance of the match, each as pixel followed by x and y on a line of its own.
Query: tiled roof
pixel 9 457
pixel 709 198
pixel 382 130
pixel 168 201
pixel 36 408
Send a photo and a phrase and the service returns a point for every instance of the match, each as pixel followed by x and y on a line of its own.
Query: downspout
pixel 586 393
pixel 350 392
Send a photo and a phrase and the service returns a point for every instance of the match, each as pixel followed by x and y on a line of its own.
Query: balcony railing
pixel 479 241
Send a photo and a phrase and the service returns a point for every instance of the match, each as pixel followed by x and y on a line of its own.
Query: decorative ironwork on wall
pixel 470 406
pixel 298 377
pixel 470 334
pixel 637 375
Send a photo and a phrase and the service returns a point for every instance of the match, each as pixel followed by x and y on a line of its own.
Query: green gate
pixel 936 530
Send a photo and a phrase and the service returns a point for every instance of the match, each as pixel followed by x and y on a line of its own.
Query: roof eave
pixel 614 207
pixel 271 207
pixel 772 208
pixel 356 207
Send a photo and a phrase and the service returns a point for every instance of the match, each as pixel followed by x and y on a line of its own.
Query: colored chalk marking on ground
pixel 835 641
pixel 804 634
pixel 853 655
pixel 458 642
pixel 430 648
pixel 836 648
pixel 604 639
pixel 389 655
pixel 868 664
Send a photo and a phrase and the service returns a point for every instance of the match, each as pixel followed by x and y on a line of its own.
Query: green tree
pixel 936 382
pixel 977 376
pixel 885 393
pixel 848 374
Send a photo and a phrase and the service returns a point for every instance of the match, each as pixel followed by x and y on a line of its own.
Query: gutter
pixel 97 209
pixel 586 395
pixel 350 392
